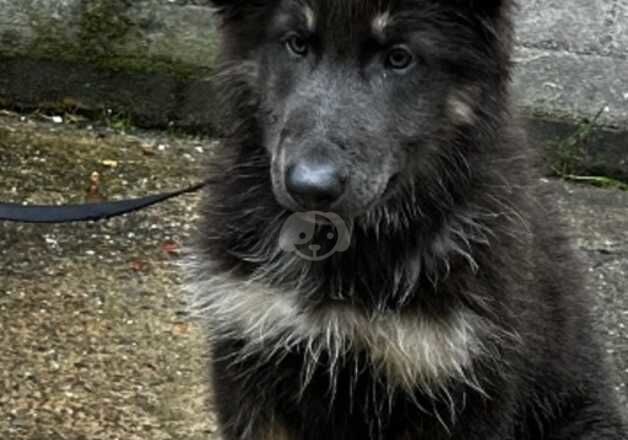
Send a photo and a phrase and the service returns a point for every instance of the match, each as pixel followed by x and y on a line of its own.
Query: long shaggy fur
pixel 457 310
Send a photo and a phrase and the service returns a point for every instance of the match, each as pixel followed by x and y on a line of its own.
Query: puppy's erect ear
pixel 484 7
pixel 236 7
pixel 226 6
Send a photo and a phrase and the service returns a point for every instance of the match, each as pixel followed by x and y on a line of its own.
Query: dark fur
pixel 446 218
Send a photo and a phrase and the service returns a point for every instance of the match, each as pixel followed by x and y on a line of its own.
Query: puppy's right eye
pixel 297 45
pixel 399 58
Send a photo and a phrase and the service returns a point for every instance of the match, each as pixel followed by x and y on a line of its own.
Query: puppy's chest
pixel 408 350
pixel 354 404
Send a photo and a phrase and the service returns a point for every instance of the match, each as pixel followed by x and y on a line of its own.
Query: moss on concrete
pixel 137 64
pixel 102 24
pixel 108 37
pixel 569 159
pixel 567 156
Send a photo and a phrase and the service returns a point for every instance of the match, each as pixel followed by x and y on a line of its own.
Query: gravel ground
pixel 94 343
pixel 598 221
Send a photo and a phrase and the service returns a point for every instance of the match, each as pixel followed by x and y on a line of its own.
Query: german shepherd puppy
pixel 376 260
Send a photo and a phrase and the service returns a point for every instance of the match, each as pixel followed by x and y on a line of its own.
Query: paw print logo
pixel 314 235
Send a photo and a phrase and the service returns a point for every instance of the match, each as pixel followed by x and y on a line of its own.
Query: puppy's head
pixel 357 100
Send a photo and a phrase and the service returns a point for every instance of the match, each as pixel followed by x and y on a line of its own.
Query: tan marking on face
pixel 310 18
pixel 380 23
pixel 460 105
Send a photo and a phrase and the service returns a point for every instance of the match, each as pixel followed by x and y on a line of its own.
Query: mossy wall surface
pixel 132 35
pixel 148 59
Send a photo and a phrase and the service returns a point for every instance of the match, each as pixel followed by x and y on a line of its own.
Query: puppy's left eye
pixel 297 45
pixel 399 58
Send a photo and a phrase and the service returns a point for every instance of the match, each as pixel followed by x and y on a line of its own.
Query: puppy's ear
pixel 484 7
pixel 236 7
pixel 226 6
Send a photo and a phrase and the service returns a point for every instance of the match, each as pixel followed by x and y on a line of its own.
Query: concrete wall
pixel 148 58
pixel 164 35
pixel 152 58
pixel 572 58
pixel 572 63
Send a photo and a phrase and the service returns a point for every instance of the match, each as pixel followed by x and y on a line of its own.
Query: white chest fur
pixel 410 350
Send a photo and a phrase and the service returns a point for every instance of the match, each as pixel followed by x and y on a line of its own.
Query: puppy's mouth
pixel 392 187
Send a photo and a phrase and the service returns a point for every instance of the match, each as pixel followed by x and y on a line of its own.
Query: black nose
pixel 315 184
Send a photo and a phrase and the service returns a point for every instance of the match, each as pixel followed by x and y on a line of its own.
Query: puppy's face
pixel 360 99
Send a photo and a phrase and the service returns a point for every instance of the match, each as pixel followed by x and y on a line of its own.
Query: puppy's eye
pixel 399 58
pixel 297 45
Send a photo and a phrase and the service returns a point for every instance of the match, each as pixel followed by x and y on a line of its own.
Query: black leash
pixel 14 212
